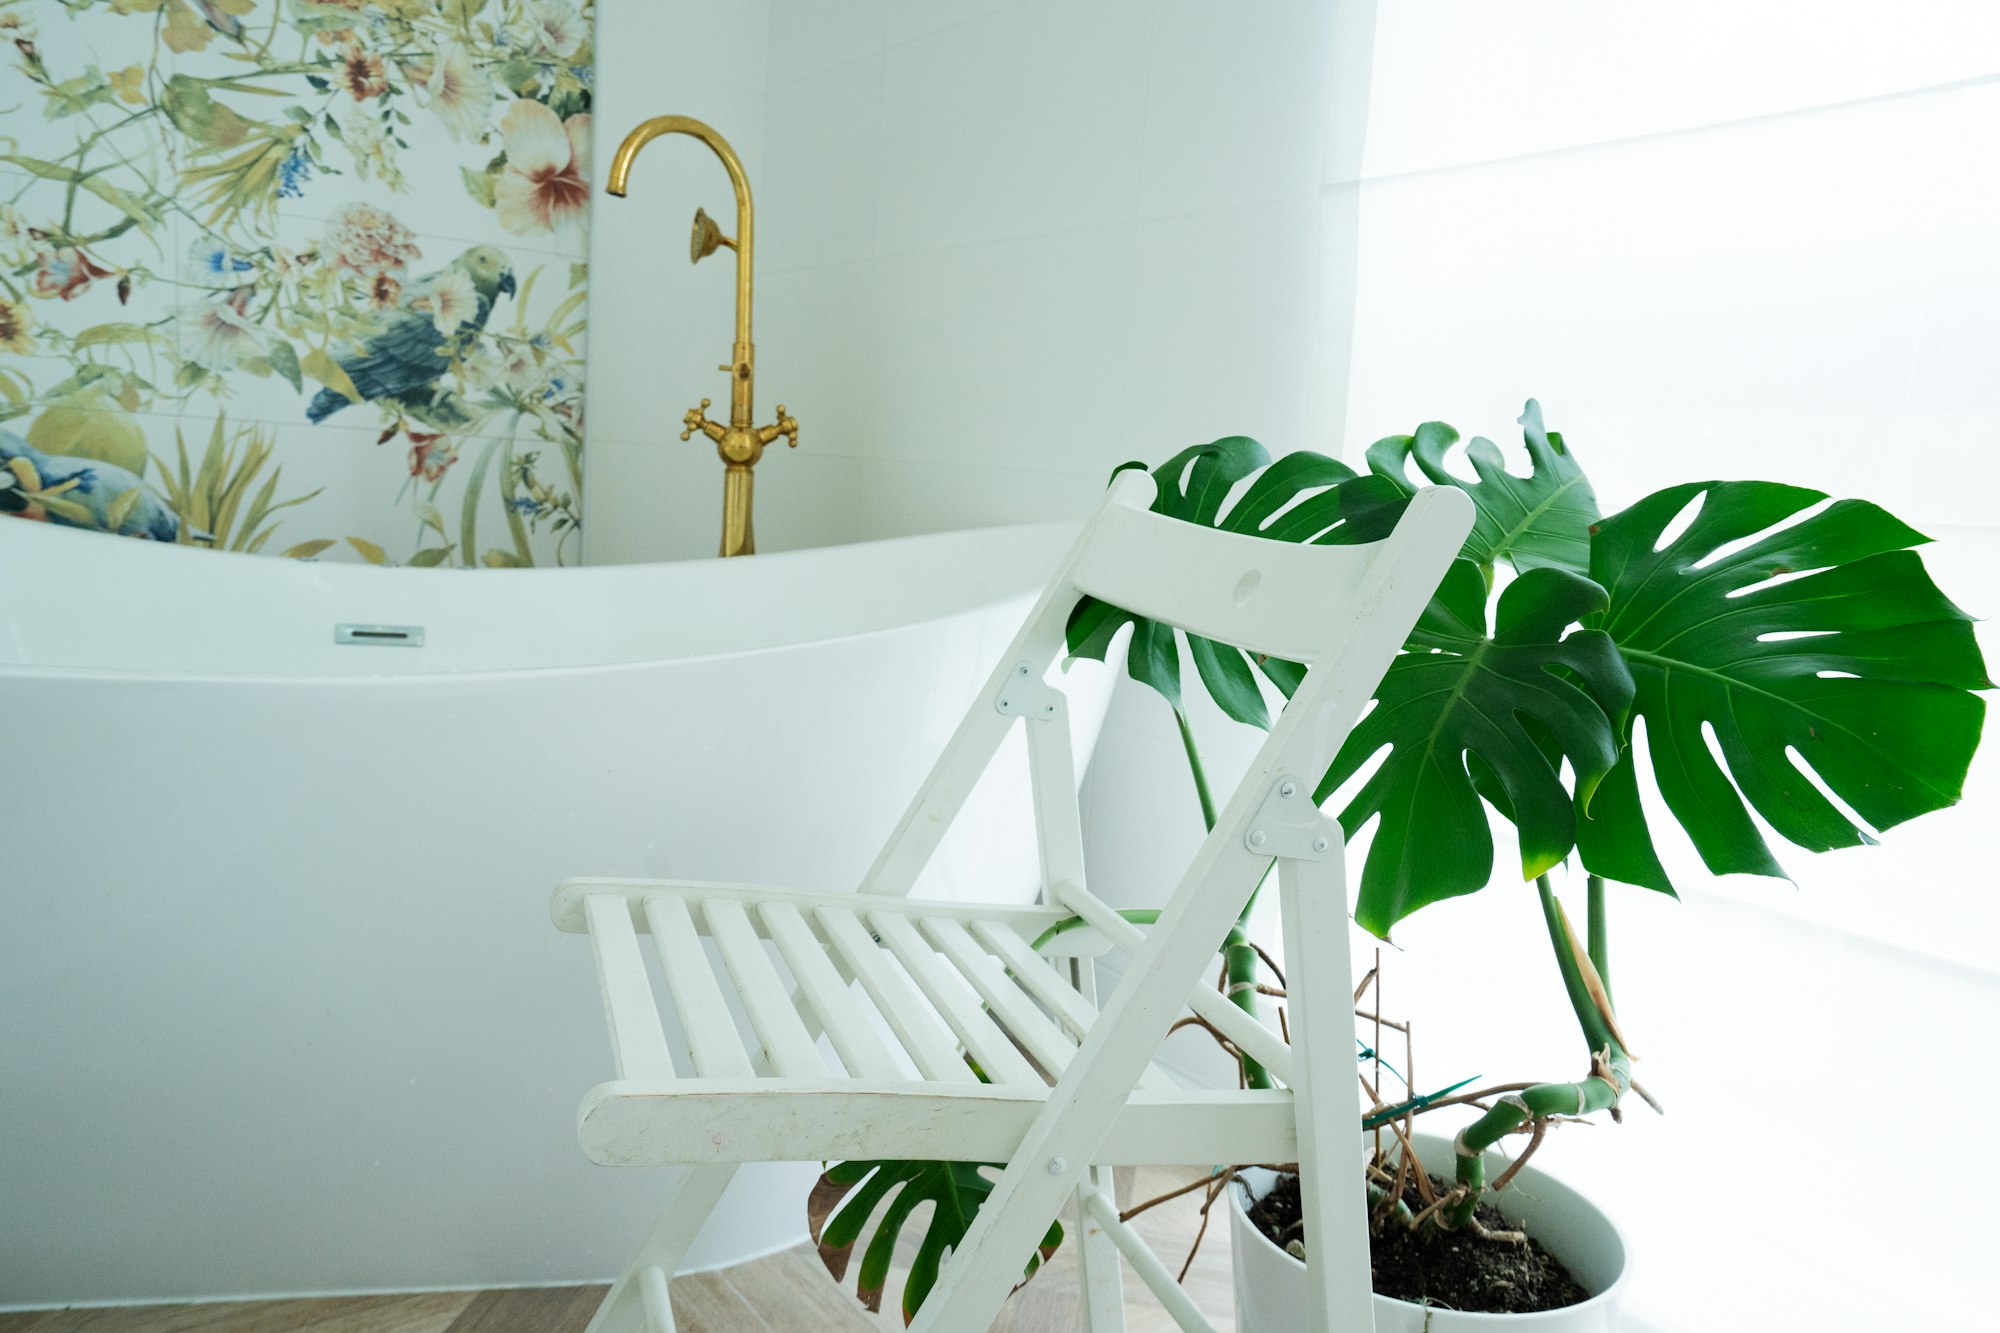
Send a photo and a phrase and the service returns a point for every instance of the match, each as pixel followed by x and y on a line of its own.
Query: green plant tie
pixel 1417 1103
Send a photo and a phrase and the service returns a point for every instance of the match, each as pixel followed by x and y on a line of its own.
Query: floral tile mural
pixel 300 277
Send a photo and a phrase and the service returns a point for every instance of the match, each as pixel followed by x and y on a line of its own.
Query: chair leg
pixel 1319 996
pixel 1097 1259
pixel 637 1301
pixel 1165 1287
pixel 1097 1255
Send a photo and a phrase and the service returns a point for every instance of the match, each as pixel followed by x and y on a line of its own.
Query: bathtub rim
pixel 1057 533
pixel 121 675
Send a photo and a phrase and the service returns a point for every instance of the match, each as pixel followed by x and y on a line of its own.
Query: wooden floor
pixel 781 1294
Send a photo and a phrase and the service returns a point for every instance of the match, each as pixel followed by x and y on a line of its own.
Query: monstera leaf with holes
pixel 1303 497
pixel 956 1188
pixel 1542 520
pixel 1477 715
pixel 1860 671
pixel 1506 706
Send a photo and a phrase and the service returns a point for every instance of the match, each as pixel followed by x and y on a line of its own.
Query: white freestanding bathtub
pixel 281 1009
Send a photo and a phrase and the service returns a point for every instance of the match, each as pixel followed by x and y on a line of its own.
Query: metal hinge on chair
pixel 1027 695
pixel 1289 825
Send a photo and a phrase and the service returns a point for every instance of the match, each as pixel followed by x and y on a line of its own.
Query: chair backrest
pixel 1346 612
pixel 1343 610
pixel 1271 597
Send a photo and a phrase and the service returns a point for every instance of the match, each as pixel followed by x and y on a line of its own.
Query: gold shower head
pixel 705 238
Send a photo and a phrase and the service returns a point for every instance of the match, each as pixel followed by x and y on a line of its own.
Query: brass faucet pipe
pixel 742 442
pixel 742 356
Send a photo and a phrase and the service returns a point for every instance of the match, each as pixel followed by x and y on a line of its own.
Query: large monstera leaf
pixel 1861 670
pixel 1542 520
pixel 956 1188
pixel 1303 497
pixel 1465 712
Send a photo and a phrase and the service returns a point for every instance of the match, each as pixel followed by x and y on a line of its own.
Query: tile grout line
pixel 1257 204
pixel 1653 136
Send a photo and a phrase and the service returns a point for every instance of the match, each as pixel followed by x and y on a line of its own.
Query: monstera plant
pixel 1777 648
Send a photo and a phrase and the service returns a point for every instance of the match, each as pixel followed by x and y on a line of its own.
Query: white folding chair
pixel 907 991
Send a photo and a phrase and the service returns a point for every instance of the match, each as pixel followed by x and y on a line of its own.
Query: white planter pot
pixel 1271 1284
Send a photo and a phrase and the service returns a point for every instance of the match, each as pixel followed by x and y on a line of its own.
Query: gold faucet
pixel 739 443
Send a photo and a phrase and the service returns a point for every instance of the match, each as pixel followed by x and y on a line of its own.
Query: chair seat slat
pixel 567 911
pixel 786 1041
pixel 1255 1040
pixel 929 1043
pixel 711 1031
pixel 1038 975
pixel 846 1022
pixel 1048 984
pixel 637 1040
pixel 991 1047
pixel 778 1120
pixel 1047 1043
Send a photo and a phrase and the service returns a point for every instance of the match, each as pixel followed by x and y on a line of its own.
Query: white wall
pixel 1722 242
pixel 1001 247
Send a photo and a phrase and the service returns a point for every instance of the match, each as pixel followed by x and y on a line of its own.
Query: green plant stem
pixel 1377 1197
pixel 1138 916
pixel 1239 963
pixel 1600 932
pixel 1611 1074
pixel 1195 769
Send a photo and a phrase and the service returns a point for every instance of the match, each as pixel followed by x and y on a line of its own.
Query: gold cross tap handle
pixel 787 427
pixel 696 419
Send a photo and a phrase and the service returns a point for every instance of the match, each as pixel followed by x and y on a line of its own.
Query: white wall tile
pixel 829 500
pixel 1015 349
pixel 664 502
pixel 823 182
pixel 1464 80
pixel 657 500
pixel 811 36
pixel 1222 333
pixel 821 355
pixel 630 91
pixel 908 19
pixel 1023 121
pixel 1236 101
pixel 720 43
